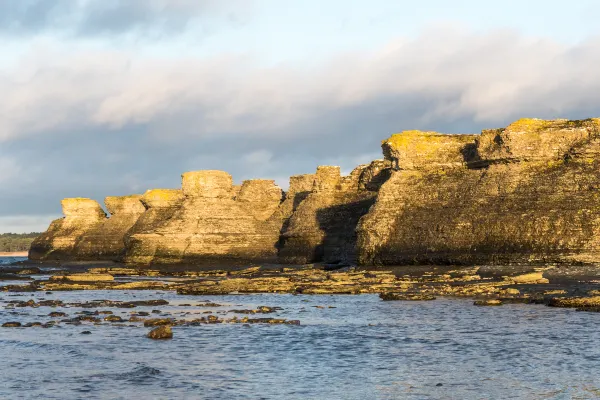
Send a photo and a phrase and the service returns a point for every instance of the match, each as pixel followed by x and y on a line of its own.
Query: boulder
pixel 161 332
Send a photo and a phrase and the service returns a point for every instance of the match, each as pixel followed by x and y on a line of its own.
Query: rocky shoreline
pixel 556 286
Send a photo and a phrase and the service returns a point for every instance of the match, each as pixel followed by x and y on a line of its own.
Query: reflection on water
pixel 350 347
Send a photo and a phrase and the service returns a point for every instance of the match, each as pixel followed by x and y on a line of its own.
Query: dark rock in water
pixel 406 296
pixel 11 325
pixel 489 302
pixel 162 332
pixel 159 322
pixel 86 333
pixel 114 318
pixel 56 314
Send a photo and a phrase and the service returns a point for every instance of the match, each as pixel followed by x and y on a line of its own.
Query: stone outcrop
pixel 80 215
pixel 525 194
pixel 106 241
pixel 322 228
pixel 215 223
pixel 160 206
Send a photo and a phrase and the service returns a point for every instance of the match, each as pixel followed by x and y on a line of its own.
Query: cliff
pixel 322 227
pixel 214 223
pixel 524 194
pixel 105 241
pixel 80 215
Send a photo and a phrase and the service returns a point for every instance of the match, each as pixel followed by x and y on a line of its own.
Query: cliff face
pixel 214 223
pixel 160 205
pixel 105 241
pixel 322 227
pixel 525 194
pixel 529 193
pixel 80 215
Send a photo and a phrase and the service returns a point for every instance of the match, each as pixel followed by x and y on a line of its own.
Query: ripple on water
pixel 362 348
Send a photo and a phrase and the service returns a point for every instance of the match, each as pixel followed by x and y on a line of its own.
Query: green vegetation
pixel 12 242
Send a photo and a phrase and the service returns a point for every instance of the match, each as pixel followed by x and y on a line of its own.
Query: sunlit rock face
pixel 525 194
pixel 160 205
pixel 106 241
pixel 57 243
pixel 214 223
pixel 322 227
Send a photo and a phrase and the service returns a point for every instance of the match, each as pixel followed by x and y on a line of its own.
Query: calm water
pixel 362 348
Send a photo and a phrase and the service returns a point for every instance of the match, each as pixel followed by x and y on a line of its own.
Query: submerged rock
pixel 162 332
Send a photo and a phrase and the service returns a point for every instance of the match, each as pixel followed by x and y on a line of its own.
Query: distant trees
pixel 11 242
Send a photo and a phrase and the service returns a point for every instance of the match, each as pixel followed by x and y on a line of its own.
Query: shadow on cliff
pixel 338 224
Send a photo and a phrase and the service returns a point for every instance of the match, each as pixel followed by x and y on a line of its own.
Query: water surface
pixel 348 347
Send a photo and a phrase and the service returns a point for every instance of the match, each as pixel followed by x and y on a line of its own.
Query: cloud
pixel 97 123
pixel 105 17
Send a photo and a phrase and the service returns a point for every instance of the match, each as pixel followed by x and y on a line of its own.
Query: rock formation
pixel 322 228
pixel 214 224
pixel 160 206
pixel 80 215
pixel 525 194
pixel 105 241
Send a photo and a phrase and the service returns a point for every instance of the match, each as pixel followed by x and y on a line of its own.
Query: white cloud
pixel 485 77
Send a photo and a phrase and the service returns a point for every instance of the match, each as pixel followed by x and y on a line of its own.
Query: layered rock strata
pixel 80 215
pixel 322 228
pixel 106 241
pixel 214 223
pixel 525 194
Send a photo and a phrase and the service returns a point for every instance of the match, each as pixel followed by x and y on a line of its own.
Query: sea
pixel 346 347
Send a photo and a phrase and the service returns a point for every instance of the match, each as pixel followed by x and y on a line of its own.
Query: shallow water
pixel 361 348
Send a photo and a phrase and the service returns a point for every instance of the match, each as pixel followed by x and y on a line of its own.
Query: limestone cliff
pixel 322 228
pixel 215 223
pixel 80 215
pixel 105 241
pixel 525 194
pixel 160 205
pixel 528 193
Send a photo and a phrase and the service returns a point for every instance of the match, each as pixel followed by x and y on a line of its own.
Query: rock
pixel 56 314
pixel 510 199
pixel 83 277
pixel 521 195
pixel 575 302
pixel 162 332
pixel 86 333
pixel 57 243
pixel 406 296
pixel 213 224
pixel 113 318
pixel 488 302
pixel 322 227
pixel 11 324
pixel 159 322
pixel 105 241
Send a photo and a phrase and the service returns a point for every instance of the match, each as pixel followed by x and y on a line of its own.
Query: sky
pixel 113 97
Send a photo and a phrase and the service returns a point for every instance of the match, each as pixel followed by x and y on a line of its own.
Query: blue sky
pixel 115 97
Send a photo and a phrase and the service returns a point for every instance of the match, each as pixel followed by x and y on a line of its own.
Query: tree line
pixel 11 242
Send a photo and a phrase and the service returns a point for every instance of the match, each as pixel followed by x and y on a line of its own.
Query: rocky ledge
pixel 522 195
